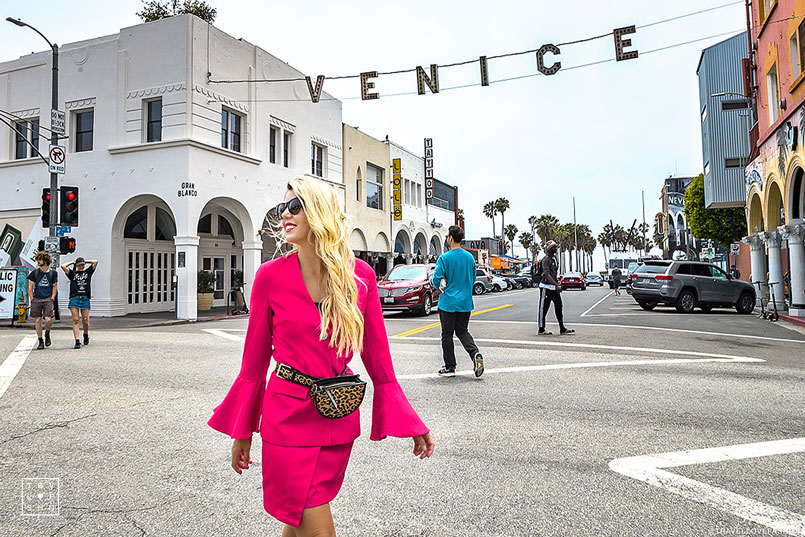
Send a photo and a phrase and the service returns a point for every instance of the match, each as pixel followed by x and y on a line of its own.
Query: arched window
pixel 166 229
pixel 137 224
pixel 225 228
pixel 358 184
pixel 205 224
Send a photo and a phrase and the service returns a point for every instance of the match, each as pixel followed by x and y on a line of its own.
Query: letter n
pixel 422 79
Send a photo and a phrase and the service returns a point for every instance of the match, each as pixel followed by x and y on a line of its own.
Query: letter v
pixel 315 94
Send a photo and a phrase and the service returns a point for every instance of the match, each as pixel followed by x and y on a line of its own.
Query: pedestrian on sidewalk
pixel 80 277
pixel 326 309
pixel 550 291
pixel 616 280
pixel 457 267
pixel 42 287
pixel 735 273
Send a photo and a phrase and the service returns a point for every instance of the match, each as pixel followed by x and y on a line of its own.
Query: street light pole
pixel 54 138
pixel 575 234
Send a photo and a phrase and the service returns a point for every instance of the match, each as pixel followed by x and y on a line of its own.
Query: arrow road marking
pixel 649 469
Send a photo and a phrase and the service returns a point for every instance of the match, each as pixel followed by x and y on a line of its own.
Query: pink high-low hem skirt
pixel 296 478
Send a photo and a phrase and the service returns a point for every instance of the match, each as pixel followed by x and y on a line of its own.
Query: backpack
pixel 536 273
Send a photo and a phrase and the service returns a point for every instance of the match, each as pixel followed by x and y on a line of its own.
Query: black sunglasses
pixel 293 206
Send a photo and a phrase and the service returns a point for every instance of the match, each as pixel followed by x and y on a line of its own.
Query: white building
pixel 422 232
pixel 176 173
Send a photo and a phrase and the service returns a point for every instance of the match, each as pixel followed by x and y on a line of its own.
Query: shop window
pixel 153 112
pixel 316 160
pixel 205 225
pixel 137 224
pixel 165 227
pixel 374 186
pixel 84 127
pixel 230 130
pixel 26 134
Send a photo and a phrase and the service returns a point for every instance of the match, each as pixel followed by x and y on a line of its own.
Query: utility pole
pixel 643 196
pixel 575 234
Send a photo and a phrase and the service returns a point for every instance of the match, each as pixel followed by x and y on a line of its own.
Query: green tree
pixel 154 10
pixel 721 225
pixel 526 239
pixel 511 232
pixel 502 205
pixel 490 211
pixel 546 226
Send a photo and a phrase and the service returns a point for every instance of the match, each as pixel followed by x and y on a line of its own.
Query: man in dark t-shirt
pixel 43 284
pixel 80 277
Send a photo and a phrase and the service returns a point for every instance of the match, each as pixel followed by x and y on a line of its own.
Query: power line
pixel 26 141
pixel 455 64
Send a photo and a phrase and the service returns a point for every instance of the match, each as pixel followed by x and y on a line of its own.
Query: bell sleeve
pixel 392 414
pixel 238 415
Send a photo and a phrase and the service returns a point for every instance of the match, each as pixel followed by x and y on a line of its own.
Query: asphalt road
pixel 554 439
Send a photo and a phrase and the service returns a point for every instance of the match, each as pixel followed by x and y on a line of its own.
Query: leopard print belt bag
pixel 334 397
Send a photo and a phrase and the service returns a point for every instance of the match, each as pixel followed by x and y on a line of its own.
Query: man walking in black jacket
pixel 550 290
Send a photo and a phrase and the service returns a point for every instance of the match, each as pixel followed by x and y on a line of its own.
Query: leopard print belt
pixel 334 397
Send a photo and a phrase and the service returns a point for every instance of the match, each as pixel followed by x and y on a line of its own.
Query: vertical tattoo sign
pixel 428 168
pixel 396 186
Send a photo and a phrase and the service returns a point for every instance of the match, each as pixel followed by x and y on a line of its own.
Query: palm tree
pixel 526 239
pixel 568 241
pixel 604 241
pixel 532 221
pixel 490 211
pixel 546 226
pixel 502 205
pixel 535 249
pixel 511 233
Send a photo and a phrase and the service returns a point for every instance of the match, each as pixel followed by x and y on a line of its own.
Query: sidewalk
pixel 134 320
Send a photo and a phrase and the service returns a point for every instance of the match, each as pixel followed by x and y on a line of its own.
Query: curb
pixel 799 321
pixel 174 322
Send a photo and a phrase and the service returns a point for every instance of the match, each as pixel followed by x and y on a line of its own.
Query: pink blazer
pixel 284 324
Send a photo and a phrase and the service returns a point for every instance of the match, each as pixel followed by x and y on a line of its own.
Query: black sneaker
pixel 41 344
pixel 77 344
pixel 567 331
pixel 86 339
pixel 478 364
pixel 47 339
pixel 447 372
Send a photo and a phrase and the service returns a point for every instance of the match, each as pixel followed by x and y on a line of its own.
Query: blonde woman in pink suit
pixel 311 310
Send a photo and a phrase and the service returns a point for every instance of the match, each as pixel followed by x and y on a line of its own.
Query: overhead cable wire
pixel 26 141
pixel 465 62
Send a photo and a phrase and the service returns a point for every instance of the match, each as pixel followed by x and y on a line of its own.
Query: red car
pixel 408 287
pixel 572 279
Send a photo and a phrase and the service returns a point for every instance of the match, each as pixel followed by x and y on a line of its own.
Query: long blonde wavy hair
pixel 328 233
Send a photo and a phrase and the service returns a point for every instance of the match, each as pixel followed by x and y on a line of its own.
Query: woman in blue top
pixel 457 267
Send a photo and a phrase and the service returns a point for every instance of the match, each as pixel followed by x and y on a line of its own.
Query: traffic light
pixel 68 206
pixel 41 245
pixel 45 207
pixel 66 245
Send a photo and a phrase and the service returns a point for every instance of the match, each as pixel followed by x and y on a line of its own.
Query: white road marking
pixel 642 350
pixel 648 468
pixel 597 303
pixel 13 363
pixel 224 334
pixel 746 336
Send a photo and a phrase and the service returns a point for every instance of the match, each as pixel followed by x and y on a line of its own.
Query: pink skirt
pixel 296 478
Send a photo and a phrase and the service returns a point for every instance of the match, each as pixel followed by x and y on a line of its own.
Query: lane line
pixel 223 334
pixel 434 325
pixel 650 469
pixel 583 365
pixel 14 362
pixel 597 303
pixel 594 346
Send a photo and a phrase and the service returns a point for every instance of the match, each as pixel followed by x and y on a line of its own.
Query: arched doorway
pixel 797 200
pixel 402 244
pixel 220 249
pixel 775 214
pixel 145 228
pixel 435 249
pixel 420 248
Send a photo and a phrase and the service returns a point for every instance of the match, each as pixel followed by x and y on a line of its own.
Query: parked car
pixel 408 287
pixel 690 284
pixel 593 278
pixel 483 282
pixel 519 280
pixel 498 283
pixel 572 279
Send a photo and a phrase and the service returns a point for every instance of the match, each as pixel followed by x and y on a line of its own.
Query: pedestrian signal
pixel 66 245
pixel 68 210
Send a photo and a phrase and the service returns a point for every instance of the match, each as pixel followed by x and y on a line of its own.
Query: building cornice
pixel 183 142
pixel 220 98
pixel 324 141
pixel 277 122
pixel 80 103
pixel 25 114
pixel 158 90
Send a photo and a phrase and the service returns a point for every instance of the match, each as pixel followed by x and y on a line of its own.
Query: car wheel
pixel 746 304
pixel 519 285
pixel 706 309
pixel 648 306
pixel 496 288
pixel 427 306
pixel 686 302
pixel 478 288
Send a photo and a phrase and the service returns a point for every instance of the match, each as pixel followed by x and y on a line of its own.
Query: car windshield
pixel 652 268
pixel 632 266
pixel 573 275
pixel 594 276
pixel 403 272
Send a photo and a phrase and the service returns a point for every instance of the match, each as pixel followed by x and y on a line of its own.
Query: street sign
pixel 735 248
pixel 61 230
pixel 57 155
pixel 51 244
pixel 8 287
pixel 57 121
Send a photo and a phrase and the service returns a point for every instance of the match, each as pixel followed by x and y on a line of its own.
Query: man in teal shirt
pixel 457 267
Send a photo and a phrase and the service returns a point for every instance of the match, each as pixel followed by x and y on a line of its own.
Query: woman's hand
pixel 240 454
pixel 423 446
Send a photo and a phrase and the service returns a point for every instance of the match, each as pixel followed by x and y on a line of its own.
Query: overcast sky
pixel 602 133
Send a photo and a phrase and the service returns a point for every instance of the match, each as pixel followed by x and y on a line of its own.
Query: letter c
pixel 553 69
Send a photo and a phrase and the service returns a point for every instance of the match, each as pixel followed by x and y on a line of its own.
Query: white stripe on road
pixel 597 303
pixel 594 347
pixel 13 363
pixel 648 468
pixel 224 334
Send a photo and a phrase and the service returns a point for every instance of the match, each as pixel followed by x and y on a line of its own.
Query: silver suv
pixel 483 282
pixel 690 284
